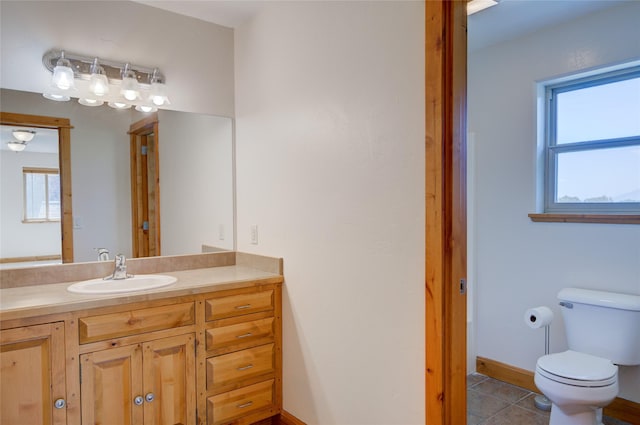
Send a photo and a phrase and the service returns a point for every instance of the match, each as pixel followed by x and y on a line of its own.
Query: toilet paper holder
pixel 536 318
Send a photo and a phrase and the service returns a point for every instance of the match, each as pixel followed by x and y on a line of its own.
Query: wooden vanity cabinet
pixel 243 356
pixel 151 383
pixel 144 379
pixel 208 358
pixel 32 378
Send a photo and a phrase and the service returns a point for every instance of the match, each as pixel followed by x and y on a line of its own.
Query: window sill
pixel 585 218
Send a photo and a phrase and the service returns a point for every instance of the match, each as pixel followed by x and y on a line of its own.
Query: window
pixel 41 194
pixel 592 146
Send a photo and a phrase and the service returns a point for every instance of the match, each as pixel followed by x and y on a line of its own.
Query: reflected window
pixel 593 144
pixel 41 194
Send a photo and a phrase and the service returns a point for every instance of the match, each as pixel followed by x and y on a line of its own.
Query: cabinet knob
pixel 149 397
pixel 59 403
pixel 138 400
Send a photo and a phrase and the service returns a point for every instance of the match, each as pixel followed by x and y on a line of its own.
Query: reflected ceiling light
pixel 95 82
pixel 17 145
pixel 24 135
pixel 475 6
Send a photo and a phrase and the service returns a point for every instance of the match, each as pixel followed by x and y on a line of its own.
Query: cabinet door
pixel 111 380
pixel 32 375
pixel 169 381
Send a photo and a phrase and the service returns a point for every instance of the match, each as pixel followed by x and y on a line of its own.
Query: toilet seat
pixel 577 369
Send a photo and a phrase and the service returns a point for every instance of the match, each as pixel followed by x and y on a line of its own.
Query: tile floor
pixel 493 402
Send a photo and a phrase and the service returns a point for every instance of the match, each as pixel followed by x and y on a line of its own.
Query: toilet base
pixel 589 417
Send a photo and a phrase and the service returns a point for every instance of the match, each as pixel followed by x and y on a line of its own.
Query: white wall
pixel 18 239
pixel 196 57
pixel 521 264
pixel 330 166
pixel 196 183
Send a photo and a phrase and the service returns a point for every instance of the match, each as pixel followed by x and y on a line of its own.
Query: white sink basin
pixel 139 282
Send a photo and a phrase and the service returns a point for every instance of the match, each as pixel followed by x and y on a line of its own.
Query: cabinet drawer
pixel 114 325
pixel 241 335
pixel 237 305
pixel 227 406
pixel 253 362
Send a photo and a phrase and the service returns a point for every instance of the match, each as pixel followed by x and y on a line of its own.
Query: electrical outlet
pixel 254 234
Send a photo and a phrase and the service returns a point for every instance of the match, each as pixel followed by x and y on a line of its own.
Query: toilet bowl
pixel 579 385
pixel 603 331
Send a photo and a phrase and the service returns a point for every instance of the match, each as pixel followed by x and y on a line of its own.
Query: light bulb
pixel 158 94
pixel 130 88
pixel 63 74
pixel 98 84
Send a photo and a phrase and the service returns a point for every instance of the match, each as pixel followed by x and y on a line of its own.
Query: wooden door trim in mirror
pixel 63 126
pixel 144 244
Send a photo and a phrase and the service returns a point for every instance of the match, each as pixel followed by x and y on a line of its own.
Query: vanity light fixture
pixel 95 82
pixel 63 74
pixel 158 92
pixel 98 82
pixel 130 87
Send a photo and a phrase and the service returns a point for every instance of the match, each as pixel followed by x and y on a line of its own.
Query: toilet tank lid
pixel 600 298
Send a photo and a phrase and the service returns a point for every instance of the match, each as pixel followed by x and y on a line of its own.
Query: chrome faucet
pixel 120 271
pixel 103 254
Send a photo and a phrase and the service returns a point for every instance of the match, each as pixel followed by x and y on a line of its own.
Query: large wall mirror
pixel 196 181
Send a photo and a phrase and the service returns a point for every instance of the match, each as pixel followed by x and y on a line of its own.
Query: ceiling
pixel 509 19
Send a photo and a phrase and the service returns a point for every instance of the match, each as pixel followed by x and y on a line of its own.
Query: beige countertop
pixel 37 300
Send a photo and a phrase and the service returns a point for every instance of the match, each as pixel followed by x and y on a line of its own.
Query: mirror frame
pixel 63 126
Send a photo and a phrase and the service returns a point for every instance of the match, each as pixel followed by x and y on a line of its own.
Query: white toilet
pixel 603 330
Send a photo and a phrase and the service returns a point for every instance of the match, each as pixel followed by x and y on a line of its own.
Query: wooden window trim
pixel 585 218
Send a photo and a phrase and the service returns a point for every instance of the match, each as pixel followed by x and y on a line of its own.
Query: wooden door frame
pixel 63 126
pixel 445 209
pixel 144 127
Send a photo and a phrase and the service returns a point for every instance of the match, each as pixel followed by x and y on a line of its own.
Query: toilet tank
pixel 604 324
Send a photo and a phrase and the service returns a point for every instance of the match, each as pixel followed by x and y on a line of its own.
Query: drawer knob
pixel 247 335
pixel 138 400
pixel 247 404
pixel 59 403
pixel 243 307
pixel 249 366
pixel 150 397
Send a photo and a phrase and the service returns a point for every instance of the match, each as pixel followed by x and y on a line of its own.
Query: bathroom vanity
pixel 206 350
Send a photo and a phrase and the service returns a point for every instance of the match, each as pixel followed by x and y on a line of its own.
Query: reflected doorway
pixel 145 187
pixel 63 128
